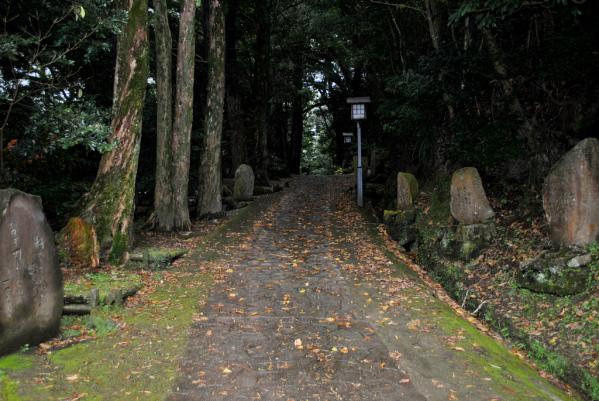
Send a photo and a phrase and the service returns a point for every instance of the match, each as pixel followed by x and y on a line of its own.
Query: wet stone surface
pixel 297 318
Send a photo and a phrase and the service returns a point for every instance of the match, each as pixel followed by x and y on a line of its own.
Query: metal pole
pixel 360 188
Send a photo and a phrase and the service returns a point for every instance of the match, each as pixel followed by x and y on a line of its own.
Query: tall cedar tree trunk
pixel 234 120
pixel 280 133
pixel 163 194
pixel 181 145
pixel 436 17
pixel 262 88
pixel 210 189
pixel 297 126
pixel 110 204
pixel 435 24
pixel 297 119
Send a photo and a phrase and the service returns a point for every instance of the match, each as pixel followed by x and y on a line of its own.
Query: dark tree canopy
pixel 501 85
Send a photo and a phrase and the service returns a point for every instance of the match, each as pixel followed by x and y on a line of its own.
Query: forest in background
pixel 503 85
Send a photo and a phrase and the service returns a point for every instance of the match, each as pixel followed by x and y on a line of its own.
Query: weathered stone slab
pixel 31 294
pixel 469 203
pixel 571 196
pixel 156 258
pixel 243 189
pixel 407 190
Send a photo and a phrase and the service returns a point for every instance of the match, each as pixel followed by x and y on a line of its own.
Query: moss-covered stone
pixel 400 225
pixel 107 285
pixel 550 274
pixel 156 258
pixel 472 239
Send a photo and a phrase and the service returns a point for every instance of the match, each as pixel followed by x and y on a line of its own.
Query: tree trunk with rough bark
pixel 210 189
pixel 280 130
pixel 262 89
pixel 181 144
pixel 163 194
pixel 297 122
pixel 234 120
pixel 435 22
pixel 110 204
pixel 436 16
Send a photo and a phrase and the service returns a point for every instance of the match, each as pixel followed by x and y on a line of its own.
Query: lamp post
pixel 358 113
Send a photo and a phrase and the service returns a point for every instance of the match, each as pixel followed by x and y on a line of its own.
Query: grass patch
pixel 8 388
pixel 95 325
pixel 137 362
pixel 11 364
pixel 548 361
pixel 590 385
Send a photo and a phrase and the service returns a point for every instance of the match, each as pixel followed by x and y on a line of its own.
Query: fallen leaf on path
pixel 413 325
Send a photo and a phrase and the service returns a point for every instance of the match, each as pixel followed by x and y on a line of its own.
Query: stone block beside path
pixel 31 292
pixel 243 189
pixel 407 190
pixel 571 196
pixel 469 203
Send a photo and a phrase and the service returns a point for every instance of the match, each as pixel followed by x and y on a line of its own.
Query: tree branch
pixel 399 6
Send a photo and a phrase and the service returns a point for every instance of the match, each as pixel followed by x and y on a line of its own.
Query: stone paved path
pixel 313 309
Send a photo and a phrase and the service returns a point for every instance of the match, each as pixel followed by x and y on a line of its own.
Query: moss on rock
pixel 105 283
pixel 400 225
pixel 551 274
pixel 155 258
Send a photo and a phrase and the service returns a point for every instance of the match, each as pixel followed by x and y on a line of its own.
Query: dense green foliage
pixel 503 85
